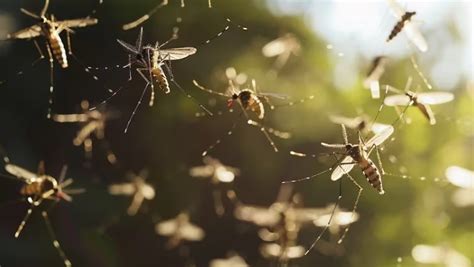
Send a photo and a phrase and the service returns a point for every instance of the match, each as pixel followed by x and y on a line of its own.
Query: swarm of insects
pixel 50 29
pixel 179 229
pixel 38 188
pixel 136 187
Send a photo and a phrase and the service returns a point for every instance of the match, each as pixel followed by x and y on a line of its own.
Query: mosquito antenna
pixel 226 28
pixel 418 71
pixel 136 108
pixel 218 141
pixel 145 17
pixel 45 8
pixel 29 13
pixel 56 244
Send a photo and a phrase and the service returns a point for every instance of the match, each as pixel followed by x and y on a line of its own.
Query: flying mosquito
pixel 420 100
pixel 93 122
pixel 145 17
pixel 405 24
pixel 151 62
pixel 136 187
pixel 252 100
pixel 218 173
pixel 354 154
pixel 38 188
pixel 464 179
pixel 51 29
pixel 282 48
pixel 179 229
pixel 373 76
pixel 360 123
pixel 231 261
pixel 282 222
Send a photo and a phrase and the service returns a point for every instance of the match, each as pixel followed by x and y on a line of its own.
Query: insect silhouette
pixel 360 123
pixel 179 229
pixel 218 174
pixel 136 187
pixel 282 48
pixel 250 99
pixel 50 29
pixel 93 122
pixel 38 188
pixel 405 24
pixel 282 222
pixel 420 100
pixel 151 62
pixel 373 76
pixel 464 179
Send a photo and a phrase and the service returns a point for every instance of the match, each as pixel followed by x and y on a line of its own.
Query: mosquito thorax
pixel 407 16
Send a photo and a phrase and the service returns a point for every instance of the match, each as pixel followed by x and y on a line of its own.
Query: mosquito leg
pixel 382 105
pixel 148 81
pixel 208 90
pixel 356 202
pixel 218 205
pixel 379 159
pixel 326 227
pixel 296 102
pixel 218 141
pixel 56 244
pixel 145 17
pixel 136 107
pixel 129 67
pixel 38 48
pixel 422 76
pixel 344 134
pixel 51 80
pixel 226 28
pixel 68 37
pixel 172 79
pixel 23 222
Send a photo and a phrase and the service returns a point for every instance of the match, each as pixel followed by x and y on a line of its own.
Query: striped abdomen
pixel 161 79
pixel 57 48
pixel 399 26
pixel 372 174
pixel 33 189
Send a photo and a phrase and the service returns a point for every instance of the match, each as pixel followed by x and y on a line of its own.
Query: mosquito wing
pixel 177 53
pixel 167 228
pixel 27 33
pixel 76 23
pixel 191 232
pixel 415 36
pixel 433 98
pixel 379 127
pixel 344 167
pixel 258 215
pixel 308 214
pixel 202 171
pixel 70 117
pixel 396 9
pixel 379 138
pixel 352 123
pixel 397 100
pixel 460 177
pixel 122 189
pixel 275 47
pixel 21 173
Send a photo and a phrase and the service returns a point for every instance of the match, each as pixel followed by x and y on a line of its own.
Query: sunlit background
pixel 423 219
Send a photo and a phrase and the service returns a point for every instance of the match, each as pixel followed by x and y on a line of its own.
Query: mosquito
pixel 136 187
pixel 179 229
pixel 464 179
pixel 93 122
pixel 251 100
pixel 218 173
pixel 420 100
pixel 405 24
pixel 38 188
pixel 373 76
pixel 353 154
pixel 151 63
pixel 282 48
pixel 51 29
pixel 360 123
pixel 145 17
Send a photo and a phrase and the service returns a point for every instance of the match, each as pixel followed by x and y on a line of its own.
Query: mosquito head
pixel 348 147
